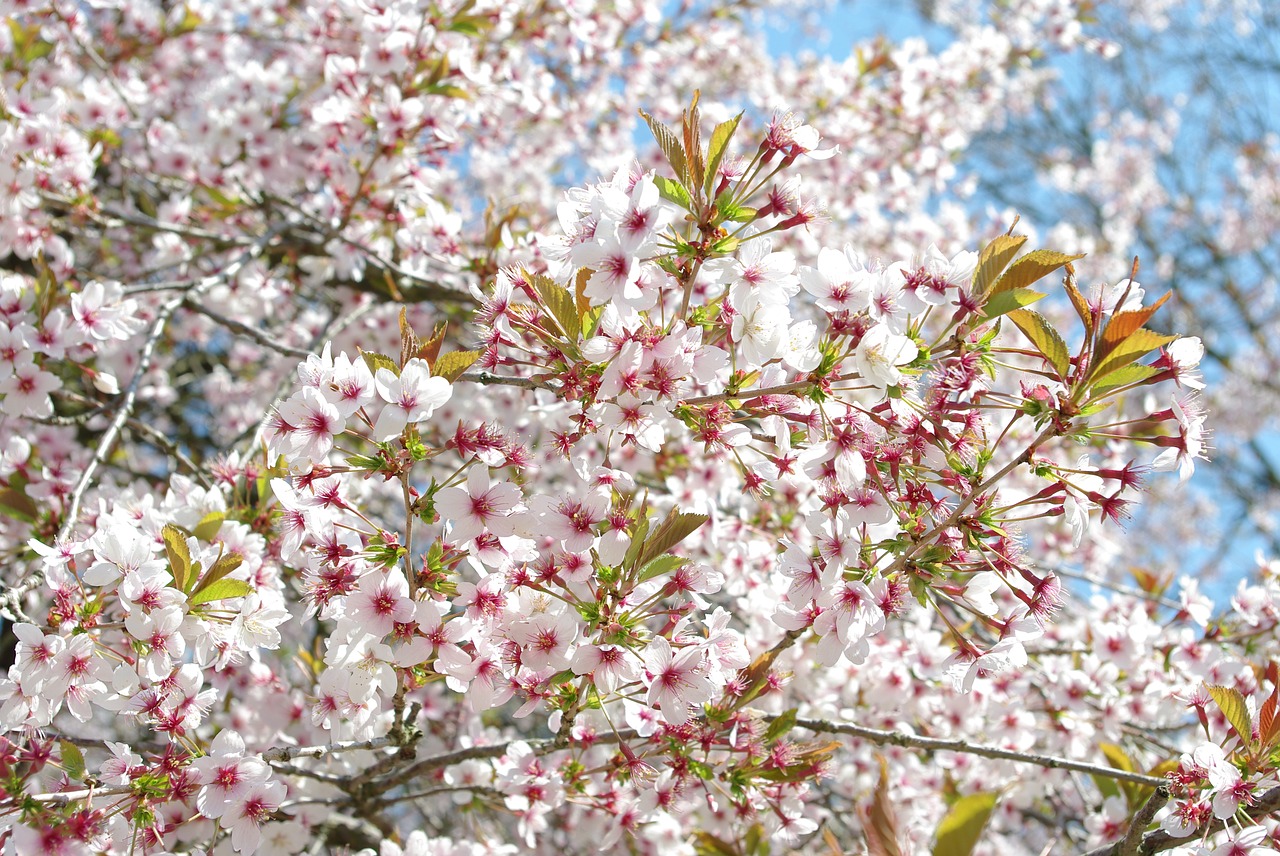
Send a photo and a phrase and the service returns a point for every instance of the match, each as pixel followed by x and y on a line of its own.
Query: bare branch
pixel 915 741
pixel 259 336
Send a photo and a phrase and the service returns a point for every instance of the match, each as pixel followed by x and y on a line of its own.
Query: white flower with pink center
pixel 410 398
pixel 380 601
pixel 248 812
pixel 677 680
pixel 482 505
pixel 570 520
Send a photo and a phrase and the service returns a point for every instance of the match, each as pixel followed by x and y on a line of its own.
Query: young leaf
pixel 780 726
pixel 637 540
pixel 1232 704
pixel 1135 347
pixel 961 827
pixel 1007 301
pixel 72 760
pixel 1124 324
pixel 221 568
pixel 1078 302
pixel 1046 339
pixel 882 825
pixel 1269 724
pixel 675 527
pixel 430 349
pixel 209 525
pixel 175 550
pixel 664 564
pixel 559 302
pixel 993 259
pixel 1116 756
pixel 669 145
pixel 1122 377
pixel 692 127
pixel 673 191
pixel 720 138
pixel 1034 266
pixel 408 341
pixel 221 590
pixel 1106 786
pixel 706 844
pixel 733 212
pixel 453 364
pixel 580 297
pixel 377 361
pixel 959 831
pixel 16 504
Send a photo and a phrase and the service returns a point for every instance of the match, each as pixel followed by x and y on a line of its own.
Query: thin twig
pixel 245 330
pixel 106 216
pixel 66 797
pixel 487 379
pixel 497 750
pixel 288 753
pixel 915 741
pixel 1118 588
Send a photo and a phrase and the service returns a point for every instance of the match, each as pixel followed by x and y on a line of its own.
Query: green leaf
pixel 377 361
pixel 1132 373
pixel 780 726
pixel 559 301
pixel 591 321
pixel 221 590
pixel 637 540
pixel 452 365
pixel 447 90
pixel 673 191
pixel 219 196
pixel 675 527
pixel 716 148
pixel 16 504
pixel 1232 704
pixel 1134 793
pixel 175 550
pixel 209 525
pixel 726 245
pixel 1116 756
pixel 691 125
pixel 733 212
pixel 670 146
pixel 221 568
pixel 1032 267
pixel 1046 339
pixel 756 843
pixel 993 259
pixel 706 844
pixel 1122 325
pixel 470 25
pixel 72 760
pixel 1133 348
pixel 882 821
pixel 1007 301
pixel 1106 786
pixel 959 831
pixel 664 564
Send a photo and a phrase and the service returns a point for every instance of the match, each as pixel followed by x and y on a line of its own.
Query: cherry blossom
pixel 360 473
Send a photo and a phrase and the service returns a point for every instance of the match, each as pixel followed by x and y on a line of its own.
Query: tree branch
pixel 1160 841
pixel 915 741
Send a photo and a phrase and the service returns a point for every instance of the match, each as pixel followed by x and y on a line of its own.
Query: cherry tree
pixel 408 450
